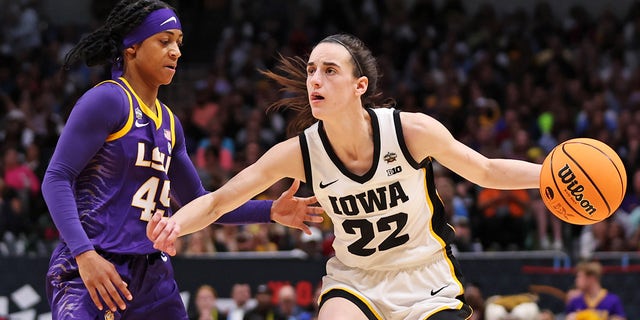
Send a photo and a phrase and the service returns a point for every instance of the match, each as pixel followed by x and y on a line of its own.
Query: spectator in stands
pixel 503 223
pixel 311 244
pixel 199 243
pixel 17 175
pixel 14 221
pixel 264 309
pixel 262 238
pixel 288 307
pixel 241 295
pixel 546 314
pixel 592 301
pixel 206 305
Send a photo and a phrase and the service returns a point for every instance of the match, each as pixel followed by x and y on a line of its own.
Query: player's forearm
pixel 196 214
pixel 62 206
pixel 512 174
pixel 207 209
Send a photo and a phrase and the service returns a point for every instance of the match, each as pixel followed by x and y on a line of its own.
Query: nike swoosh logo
pixel 322 186
pixel 169 20
pixel 140 125
pixel 433 293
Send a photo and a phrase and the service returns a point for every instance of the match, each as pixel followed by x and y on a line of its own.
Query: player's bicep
pixel 97 114
pixel 427 137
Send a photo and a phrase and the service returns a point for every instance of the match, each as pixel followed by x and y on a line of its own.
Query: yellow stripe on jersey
pixel 155 116
pixel 436 236
pixel 127 126
pixel 172 123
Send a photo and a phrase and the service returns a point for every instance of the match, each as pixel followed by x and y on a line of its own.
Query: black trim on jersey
pixel 304 147
pixel 403 146
pixel 453 314
pixel 336 161
pixel 339 293
pixel 439 221
pixel 456 269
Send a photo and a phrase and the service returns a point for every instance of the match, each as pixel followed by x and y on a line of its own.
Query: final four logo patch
pixel 390 157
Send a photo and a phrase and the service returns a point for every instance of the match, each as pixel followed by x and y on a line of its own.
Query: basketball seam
pixel 606 201
pixel 622 182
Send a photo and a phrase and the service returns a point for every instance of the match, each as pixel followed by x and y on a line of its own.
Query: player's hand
pixel 102 281
pixel 163 232
pixel 294 211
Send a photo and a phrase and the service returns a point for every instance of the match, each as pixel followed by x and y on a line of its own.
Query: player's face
pixel 582 280
pixel 331 85
pixel 205 300
pixel 157 56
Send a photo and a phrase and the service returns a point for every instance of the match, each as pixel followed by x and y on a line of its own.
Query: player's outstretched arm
pixel 282 161
pixel 427 137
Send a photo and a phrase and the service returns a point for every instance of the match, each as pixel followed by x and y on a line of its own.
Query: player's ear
pixel 362 84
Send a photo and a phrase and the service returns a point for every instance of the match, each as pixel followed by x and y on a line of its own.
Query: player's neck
pixel 147 92
pixel 593 292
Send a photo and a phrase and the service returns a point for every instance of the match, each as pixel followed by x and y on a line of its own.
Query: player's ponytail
pixel 97 48
pixel 104 45
pixel 291 74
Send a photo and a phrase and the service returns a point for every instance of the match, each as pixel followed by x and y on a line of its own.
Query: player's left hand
pixel 293 212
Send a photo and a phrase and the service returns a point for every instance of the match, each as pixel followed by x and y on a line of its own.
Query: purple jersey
pixel 606 304
pixel 114 166
pixel 127 179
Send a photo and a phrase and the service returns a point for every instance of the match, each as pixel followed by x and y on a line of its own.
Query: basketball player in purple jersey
pixel 120 157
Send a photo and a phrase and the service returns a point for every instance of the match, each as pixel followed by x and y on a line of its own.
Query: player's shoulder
pixel 106 92
pixel 417 122
pixel 104 99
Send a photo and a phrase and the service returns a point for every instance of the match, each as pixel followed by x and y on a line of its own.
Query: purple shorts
pixel 149 277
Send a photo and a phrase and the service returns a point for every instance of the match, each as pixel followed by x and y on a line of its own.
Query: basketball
pixel 582 181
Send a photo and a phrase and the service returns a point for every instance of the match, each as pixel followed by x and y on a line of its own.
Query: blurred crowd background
pixel 509 84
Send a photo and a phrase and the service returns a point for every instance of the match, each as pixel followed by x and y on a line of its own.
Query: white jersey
pixel 389 217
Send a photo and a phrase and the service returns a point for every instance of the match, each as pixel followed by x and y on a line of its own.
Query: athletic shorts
pixel 433 290
pixel 149 277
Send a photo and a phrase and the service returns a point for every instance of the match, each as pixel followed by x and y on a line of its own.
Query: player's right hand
pixel 163 232
pixel 102 281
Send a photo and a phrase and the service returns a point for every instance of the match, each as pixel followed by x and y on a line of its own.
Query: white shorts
pixel 410 293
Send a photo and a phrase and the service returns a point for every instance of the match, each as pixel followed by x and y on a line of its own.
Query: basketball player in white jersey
pixel 370 169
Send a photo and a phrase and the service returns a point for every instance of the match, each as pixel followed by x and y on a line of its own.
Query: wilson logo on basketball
pixel 574 187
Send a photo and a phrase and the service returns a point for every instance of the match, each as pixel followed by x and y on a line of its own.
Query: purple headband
pixel 157 21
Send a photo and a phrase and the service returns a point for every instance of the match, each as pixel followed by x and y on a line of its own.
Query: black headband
pixel 353 56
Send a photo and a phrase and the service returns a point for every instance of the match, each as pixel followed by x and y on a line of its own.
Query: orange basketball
pixel 582 181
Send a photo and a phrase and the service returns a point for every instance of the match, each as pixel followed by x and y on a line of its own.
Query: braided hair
pixel 291 74
pixel 104 45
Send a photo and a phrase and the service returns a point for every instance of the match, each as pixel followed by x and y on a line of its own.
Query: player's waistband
pixel 151 257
